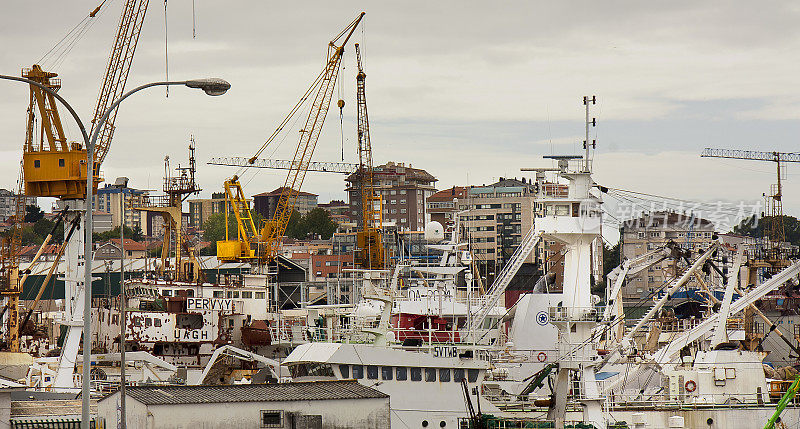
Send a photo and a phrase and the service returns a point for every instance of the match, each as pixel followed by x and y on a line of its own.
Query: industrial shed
pixel 311 405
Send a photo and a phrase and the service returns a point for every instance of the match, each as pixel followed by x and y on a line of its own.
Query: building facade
pixel 404 190
pixel 200 209
pixel 652 230
pixel 8 203
pixel 266 203
pixel 108 198
pixel 443 205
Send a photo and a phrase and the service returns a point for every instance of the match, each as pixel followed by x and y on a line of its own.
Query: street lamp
pixel 211 86
pixel 121 183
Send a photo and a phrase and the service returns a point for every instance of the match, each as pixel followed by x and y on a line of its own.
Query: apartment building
pixel 266 203
pixel 8 204
pixel 443 205
pixel 652 230
pixel 404 190
pixel 200 209
pixel 337 209
pixel 108 198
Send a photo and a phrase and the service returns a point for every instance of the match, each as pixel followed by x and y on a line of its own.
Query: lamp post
pixel 121 183
pixel 211 86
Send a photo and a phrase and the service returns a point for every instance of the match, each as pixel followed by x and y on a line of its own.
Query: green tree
pixel 134 234
pixel 296 226
pixel 759 227
pixel 33 213
pixel 214 229
pixel 319 223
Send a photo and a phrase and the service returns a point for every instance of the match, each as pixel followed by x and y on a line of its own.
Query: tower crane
pixel 321 92
pixel 53 167
pixel 368 239
pixel 775 257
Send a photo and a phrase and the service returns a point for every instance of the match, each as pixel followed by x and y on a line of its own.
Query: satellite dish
pixel 434 231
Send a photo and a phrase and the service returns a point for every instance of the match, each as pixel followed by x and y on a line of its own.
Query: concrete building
pixel 652 230
pixel 8 203
pixel 404 190
pixel 107 200
pixel 443 205
pixel 102 222
pixel 338 210
pixel 319 405
pixel 265 203
pixel 200 209
pixel 112 250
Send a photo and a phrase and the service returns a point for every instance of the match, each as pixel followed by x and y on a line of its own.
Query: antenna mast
pixel 593 123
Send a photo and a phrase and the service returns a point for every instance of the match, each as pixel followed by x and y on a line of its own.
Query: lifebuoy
pixel 542 356
pixel 690 386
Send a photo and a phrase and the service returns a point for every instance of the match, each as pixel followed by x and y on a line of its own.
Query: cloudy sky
pixel 470 91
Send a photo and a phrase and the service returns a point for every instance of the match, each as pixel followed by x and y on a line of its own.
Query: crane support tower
pixel 370 253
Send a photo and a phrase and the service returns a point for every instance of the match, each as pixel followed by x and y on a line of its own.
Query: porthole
pixel 424 423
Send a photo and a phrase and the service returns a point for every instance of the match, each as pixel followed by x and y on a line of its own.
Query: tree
pixel 33 213
pixel 319 223
pixel 296 226
pixel 134 234
pixel 755 227
pixel 214 229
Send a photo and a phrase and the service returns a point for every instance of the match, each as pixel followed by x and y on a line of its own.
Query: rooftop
pixel 309 391
pixel 278 192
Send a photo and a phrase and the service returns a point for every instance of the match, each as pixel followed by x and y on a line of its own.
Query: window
pixel 236 294
pixel 458 375
pixel 36 163
pixel 430 374
pixel 157 323
pixel 416 374
pixel 358 372
pixel 148 322
pixel 402 192
pixel 472 375
pixel 386 372
pixel 372 372
pixel 60 162
pixel 402 373
pixel 345 370
pixel 271 419
pixel 166 292
pixel 218 294
pixel 260 295
pixel 402 201
pixel 444 374
pixel 393 202
pixel 247 294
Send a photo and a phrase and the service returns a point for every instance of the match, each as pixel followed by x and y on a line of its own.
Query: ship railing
pixel 688 401
pixel 576 314
pixel 679 325
pixel 523 356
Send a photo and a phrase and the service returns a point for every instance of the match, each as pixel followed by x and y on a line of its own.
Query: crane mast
pixel 370 245
pixel 309 134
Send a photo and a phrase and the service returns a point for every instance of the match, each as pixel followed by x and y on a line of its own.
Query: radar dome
pixel 434 231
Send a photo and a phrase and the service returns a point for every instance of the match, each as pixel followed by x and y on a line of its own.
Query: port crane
pixel 775 259
pixel 320 92
pixel 283 164
pixel 370 253
pixel 54 167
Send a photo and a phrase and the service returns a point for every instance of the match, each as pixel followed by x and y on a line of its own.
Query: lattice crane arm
pixel 116 75
pixel 322 93
pixel 751 154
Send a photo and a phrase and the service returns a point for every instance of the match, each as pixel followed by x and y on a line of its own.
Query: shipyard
pixel 548 215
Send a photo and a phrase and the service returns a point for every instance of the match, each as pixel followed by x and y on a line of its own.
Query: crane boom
pixel 309 135
pixel 283 164
pixel 751 154
pixel 369 239
pixel 119 65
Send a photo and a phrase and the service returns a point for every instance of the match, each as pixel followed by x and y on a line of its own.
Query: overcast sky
pixel 470 91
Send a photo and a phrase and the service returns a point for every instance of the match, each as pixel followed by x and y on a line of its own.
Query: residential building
pixel 652 230
pixel 112 250
pixel 443 205
pixel 8 203
pixel 337 209
pixel 325 266
pixel 107 200
pixel 265 203
pixel 200 209
pixel 404 190
pixel 319 404
pixel 102 222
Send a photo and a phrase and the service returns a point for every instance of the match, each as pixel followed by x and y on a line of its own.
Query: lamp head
pixel 211 86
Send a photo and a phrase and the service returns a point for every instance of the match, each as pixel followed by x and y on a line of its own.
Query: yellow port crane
pixel 54 167
pixel 370 246
pixel 240 249
pixel 320 92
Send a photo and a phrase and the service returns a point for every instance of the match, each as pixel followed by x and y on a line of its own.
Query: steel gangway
pixel 503 279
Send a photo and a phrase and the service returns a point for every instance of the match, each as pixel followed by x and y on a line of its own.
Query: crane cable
pixel 166 48
pixel 64 46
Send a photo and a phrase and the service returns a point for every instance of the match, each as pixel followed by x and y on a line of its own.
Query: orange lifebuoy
pixel 542 356
pixel 690 386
